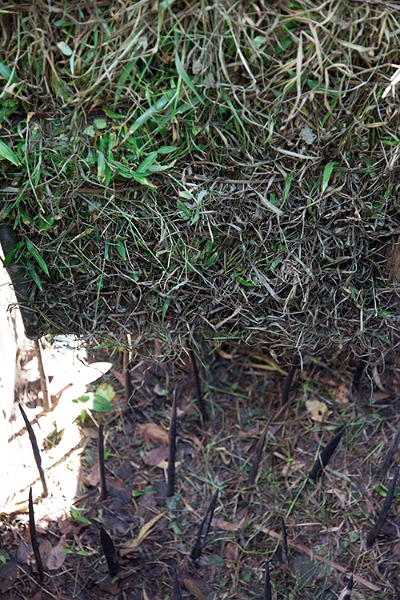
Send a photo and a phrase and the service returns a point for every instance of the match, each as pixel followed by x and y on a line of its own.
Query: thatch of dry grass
pixel 204 168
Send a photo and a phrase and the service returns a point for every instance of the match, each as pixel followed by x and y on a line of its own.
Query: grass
pixel 165 185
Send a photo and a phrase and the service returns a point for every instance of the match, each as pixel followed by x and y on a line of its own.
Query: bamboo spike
pixel 102 468
pixel 384 513
pixel 35 545
pixel 109 552
pixel 284 542
pixel 172 452
pixel 36 452
pixel 326 454
pixel 204 529
pixel 267 583
pixel 257 458
pixel 196 380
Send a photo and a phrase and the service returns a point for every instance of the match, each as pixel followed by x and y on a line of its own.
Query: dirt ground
pixel 326 523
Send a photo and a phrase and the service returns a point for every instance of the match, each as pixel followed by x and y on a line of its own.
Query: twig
pixel 204 529
pixel 172 451
pixel 44 381
pixel 109 552
pixel 102 468
pixel 196 380
pixel 321 559
pixel 391 451
pixel 267 583
pixel 288 384
pixel 36 452
pixel 257 458
pixel 384 513
pixel 325 456
pixel 35 545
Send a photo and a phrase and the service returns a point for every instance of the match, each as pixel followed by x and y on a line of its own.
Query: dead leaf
pixel 109 587
pixel 342 394
pixel 54 557
pixel 193 586
pixel 93 478
pixel 143 534
pixel 159 390
pixel 153 433
pixel 318 410
pixel 155 456
pixel 225 525
pixel 230 552
pixel 45 550
pixel 66 526
pixel 377 379
pixel 396 551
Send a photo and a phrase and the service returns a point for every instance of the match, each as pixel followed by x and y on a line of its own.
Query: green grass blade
pixel 8 154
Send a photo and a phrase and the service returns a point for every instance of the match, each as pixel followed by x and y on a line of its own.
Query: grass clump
pixel 212 168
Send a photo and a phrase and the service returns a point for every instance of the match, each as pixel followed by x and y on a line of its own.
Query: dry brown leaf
pixel 318 410
pixel 155 456
pixel 230 552
pixel 192 586
pixel 342 394
pixel 396 551
pixel 377 379
pixel 153 433
pixel 143 534
pixel 225 525
pixel 93 478
pixel 53 557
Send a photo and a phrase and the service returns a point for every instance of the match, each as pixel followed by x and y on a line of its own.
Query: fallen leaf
pixel 106 390
pixel 155 456
pixel 143 534
pixel 396 551
pixel 377 379
pixel 108 586
pixel 225 525
pixel 93 478
pixel 54 557
pixel 230 552
pixel 318 410
pixel 194 587
pixel 342 394
pixel 159 390
pixel 153 433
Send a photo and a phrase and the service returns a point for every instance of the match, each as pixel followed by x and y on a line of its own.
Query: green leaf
pixel 101 165
pixel 65 49
pixel 327 174
pixel 77 517
pixel 121 249
pixel 31 249
pixel 148 161
pixel 35 278
pixel 7 74
pixel 8 154
pixel 150 112
pixel 166 149
pixel 106 390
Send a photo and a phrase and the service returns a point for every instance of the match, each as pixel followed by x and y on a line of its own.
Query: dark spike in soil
pixel 284 542
pixel 35 545
pixel 109 552
pixel 346 594
pixel 204 529
pixel 172 451
pixel 267 583
pixel 177 590
pixel 288 385
pixel 384 513
pixel 36 452
pixel 257 458
pixel 127 374
pixel 325 456
pixel 358 373
pixel 196 379
pixel 102 468
pixel 389 455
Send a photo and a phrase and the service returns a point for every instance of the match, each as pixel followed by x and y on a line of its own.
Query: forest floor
pixel 326 523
